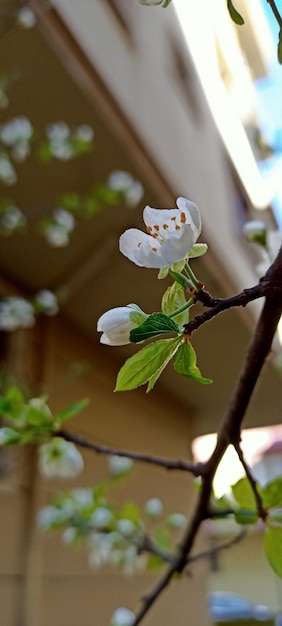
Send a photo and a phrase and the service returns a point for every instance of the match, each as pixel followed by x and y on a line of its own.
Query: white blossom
pixel 154 507
pixel 13 219
pixel 16 312
pixel 119 465
pixel 26 18
pixel 60 459
pixel 18 130
pixel 84 132
pixel 64 219
pixel 126 528
pixel 101 518
pixel 58 131
pixel 171 234
pixel 7 172
pixel 117 323
pixel 47 302
pixel 56 235
pixel 122 617
pixel 123 181
pixel 177 520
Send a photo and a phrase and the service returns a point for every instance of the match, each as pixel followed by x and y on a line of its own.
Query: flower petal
pixel 178 246
pixel 140 248
pixel 191 209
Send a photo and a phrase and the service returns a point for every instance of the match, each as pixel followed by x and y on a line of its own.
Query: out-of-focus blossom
pixel 119 465
pixel 124 182
pixel 58 229
pixel 46 302
pixel 60 459
pixel 154 507
pixel 26 18
pixel 122 617
pixel 15 312
pixel 12 219
pixel 7 172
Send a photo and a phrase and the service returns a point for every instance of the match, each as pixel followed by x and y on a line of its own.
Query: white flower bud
pixel 126 528
pixel 177 520
pixel 122 617
pixel 154 507
pixel 117 323
pixel 119 465
pixel 101 518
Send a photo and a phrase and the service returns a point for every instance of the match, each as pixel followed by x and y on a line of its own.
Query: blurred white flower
pixel 124 182
pixel 50 516
pixel 7 172
pixel 83 496
pixel 154 507
pixel 58 131
pixel 60 459
pixel 56 236
pixel 64 218
pixel 26 18
pixel 69 535
pixel 84 132
pixel 122 617
pixel 46 301
pixel 119 465
pixel 13 219
pixel 126 528
pixel 15 312
pixel 171 235
pixel 101 518
pixel 18 130
pixel 177 520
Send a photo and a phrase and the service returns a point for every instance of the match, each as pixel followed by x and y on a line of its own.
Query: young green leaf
pixel 235 16
pixel 244 494
pixel 174 299
pixel 273 548
pixel 245 516
pixel 155 324
pixel 272 493
pixel 146 365
pixel 70 411
pixel 185 363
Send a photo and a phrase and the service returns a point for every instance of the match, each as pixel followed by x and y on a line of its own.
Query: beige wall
pixel 46 582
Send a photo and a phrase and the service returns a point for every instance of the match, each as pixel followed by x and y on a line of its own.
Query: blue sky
pixel 269 112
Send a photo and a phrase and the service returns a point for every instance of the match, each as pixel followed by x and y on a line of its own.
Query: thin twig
pixel 193 468
pixel 262 513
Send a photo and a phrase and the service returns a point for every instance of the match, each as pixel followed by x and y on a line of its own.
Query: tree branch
pixel 262 513
pixel 193 468
pixel 229 432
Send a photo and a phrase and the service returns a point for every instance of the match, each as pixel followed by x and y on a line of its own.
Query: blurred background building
pixel 173 104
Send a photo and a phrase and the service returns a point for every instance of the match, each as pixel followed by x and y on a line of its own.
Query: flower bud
pixel 117 323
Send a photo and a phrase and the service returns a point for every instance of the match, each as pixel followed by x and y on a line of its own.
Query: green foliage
pixel 279 47
pixel 235 16
pixel 244 494
pixel 155 324
pixel 272 493
pixel 245 516
pixel 174 299
pixel 185 363
pixel 273 548
pixel 147 365
pixel 31 421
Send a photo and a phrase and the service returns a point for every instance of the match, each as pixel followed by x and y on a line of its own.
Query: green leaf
pixel 198 249
pixel 245 516
pixel 72 410
pixel 279 48
pixel 155 324
pixel 12 404
pixel 185 363
pixel 130 511
pixel 244 494
pixel 174 299
pixel 272 493
pixel 146 365
pixel 9 436
pixel 273 548
pixel 235 16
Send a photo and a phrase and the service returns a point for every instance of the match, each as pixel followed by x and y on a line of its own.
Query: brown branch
pixel 218 305
pixel 193 468
pixel 262 513
pixel 229 432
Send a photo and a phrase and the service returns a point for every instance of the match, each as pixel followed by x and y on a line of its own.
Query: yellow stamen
pixel 182 218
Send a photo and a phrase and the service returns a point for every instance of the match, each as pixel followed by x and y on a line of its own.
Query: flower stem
pixel 185 306
pixel 192 277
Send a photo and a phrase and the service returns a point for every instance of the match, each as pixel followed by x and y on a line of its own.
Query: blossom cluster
pixel 17 312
